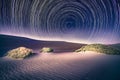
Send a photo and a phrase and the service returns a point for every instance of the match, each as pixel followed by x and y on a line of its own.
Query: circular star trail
pixel 88 21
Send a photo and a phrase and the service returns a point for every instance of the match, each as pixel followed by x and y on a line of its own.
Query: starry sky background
pixel 80 21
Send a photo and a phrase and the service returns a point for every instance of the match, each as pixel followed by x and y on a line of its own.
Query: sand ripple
pixel 66 66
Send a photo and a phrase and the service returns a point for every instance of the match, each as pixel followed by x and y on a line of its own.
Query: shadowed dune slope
pixel 11 42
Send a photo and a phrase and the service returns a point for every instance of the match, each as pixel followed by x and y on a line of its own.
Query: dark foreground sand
pixel 66 66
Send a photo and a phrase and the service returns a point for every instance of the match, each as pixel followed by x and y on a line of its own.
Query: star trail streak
pixel 80 21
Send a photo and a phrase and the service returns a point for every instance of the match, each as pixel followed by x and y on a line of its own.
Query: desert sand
pixel 65 66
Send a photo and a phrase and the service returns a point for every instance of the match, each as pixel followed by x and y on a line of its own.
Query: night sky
pixel 80 21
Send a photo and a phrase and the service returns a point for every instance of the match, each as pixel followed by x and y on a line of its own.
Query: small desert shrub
pixel 19 53
pixel 46 50
pixel 100 49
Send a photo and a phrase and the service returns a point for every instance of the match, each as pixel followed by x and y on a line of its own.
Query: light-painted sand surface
pixel 62 66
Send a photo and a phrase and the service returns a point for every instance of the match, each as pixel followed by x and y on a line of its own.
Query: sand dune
pixel 66 66
pixel 11 42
